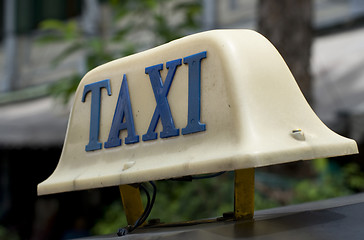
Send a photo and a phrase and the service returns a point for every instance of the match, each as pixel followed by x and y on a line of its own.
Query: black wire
pixel 190 178
pixel 142 218
pixel 150 202
pixel 147 210
pixel 207 176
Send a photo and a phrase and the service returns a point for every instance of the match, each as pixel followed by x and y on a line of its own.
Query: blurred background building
pixel 33 122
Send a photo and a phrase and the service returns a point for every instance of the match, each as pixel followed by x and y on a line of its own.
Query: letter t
pixel 95 89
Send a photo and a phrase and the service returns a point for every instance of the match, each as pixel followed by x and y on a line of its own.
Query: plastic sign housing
pixel 214 101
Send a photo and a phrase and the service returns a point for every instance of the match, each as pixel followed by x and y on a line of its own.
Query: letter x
pixel 162 110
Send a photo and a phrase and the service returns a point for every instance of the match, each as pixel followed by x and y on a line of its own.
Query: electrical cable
pixel 207 176
pixel 150 201
pixel 142 218
pixel 149 209
pixel 190 178
pixel 146 212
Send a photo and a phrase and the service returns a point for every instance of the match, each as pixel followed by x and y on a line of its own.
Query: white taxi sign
pixel 214 101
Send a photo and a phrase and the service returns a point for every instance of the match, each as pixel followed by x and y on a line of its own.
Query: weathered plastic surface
pixel 233 104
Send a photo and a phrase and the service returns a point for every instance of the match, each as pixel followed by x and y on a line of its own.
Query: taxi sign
pixel 214 101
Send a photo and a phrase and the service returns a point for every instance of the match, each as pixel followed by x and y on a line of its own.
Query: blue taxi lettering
pixel 123 115
pixel 95 90
pixel 162 110
pixel 194 93
pixel 122 111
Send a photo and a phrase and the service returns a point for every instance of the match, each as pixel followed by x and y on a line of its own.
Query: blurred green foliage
pixel 113 219
pixel 8 234
pixel 178 201
pixel 332 181
pixel 198 199
pixel 181 201
pixel 134 26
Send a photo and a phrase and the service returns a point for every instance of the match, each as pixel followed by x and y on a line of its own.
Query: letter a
pixel 123 110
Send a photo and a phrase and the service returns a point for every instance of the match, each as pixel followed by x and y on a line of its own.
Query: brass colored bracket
pixel 244 194
pixel 132 202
